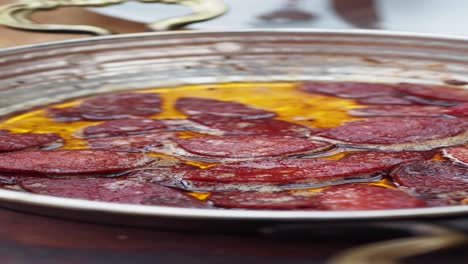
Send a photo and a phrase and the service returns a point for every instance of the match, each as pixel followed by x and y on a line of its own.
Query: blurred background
pixel 435 16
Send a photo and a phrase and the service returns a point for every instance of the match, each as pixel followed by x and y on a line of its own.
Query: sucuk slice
pixel 122 105
pixel 435 202
pixel 399 110
pixel 110 106
pixel 240 126
pixel 455 82
pixel 10 178
pixel 7 180
pixel 261 200
pixel 65 114
pixel 124 127
pixel 427 101
pixel 249 146
pixel 195 106
pixel 349 89
pixel 459 110
pixel 164 170
pixel 456 197
pixel 77 161
pixel 432 178
pixel 290 173
pixel 388 158
pixel 135 143
pixel 385 100
pixel 111 190
pixel 167 174
pixel 19 141
pixel 365 197
pixel 400 133
pixel 458 154
pixel 434 92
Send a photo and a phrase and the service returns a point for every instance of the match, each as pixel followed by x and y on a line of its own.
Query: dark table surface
pixel 27 238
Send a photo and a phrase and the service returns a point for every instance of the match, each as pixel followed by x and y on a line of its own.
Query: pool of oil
pixel 284 98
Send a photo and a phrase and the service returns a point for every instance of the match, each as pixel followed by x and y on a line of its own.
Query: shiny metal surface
pixel 37 75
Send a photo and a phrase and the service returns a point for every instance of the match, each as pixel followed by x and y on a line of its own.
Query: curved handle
pixel 17 15
pixel 202 10
pixel 430 237
pixel 419 237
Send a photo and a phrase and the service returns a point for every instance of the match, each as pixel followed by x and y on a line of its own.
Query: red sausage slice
pixel 135 143
pixel 435 202
pixel 169 174
pixel 19 141
pixel 110 106
pixel 11 178
pixel 385 100
pixel 260 200
pixel 111 190
pixel 435 92
pixel 349 89
pixel 65 114
pixel 459 110
pixel 399 110
pixel 365 197
pixel 122 105
pixel 458 154
pixel 397 130
pixel 240 126
pixel 455 82
pixel 296 172
pixel 62 162
pixel 195 106
pixel 431 178
pixel 123 127
pixel 249 146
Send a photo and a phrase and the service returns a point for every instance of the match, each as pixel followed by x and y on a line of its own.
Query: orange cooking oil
pixel 283 98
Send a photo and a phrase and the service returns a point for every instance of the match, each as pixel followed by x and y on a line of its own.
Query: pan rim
pixel 224 214
pixel 355 32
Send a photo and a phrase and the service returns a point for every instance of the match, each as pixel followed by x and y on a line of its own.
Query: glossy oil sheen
pixel 283 98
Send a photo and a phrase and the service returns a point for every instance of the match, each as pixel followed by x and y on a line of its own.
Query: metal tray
pixel 37 75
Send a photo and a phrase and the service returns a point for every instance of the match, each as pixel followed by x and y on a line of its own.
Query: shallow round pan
pixel 37 75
